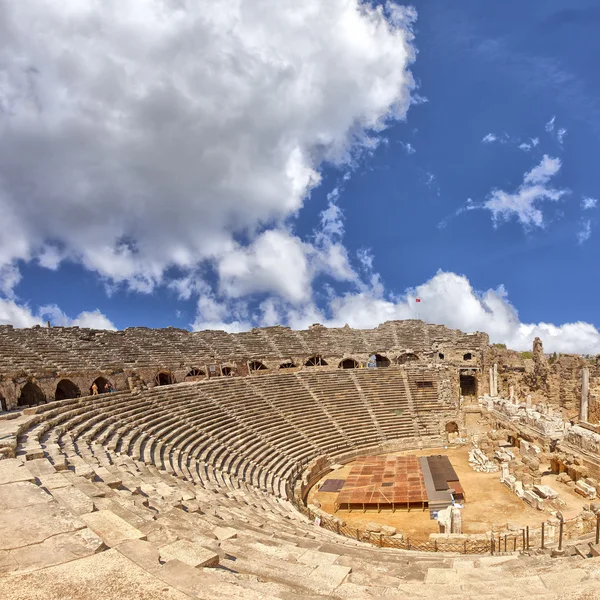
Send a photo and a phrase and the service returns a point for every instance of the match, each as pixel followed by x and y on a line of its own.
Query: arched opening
pixel 31 394
pixel 468 385
pixel 452 431
pixel 256 365
pixel 195 374
pixel 227 371
pixel 164 378
pixel 315 361
pixel 287 365
pixel 451 427
pixel 381 361
pixel 467 356
pixel 66 389
pixel 348 363
pixel 407 358
pixel 103 386
pixel 3 405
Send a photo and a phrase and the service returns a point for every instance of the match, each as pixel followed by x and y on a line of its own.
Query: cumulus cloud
pixel 21 315
pixel 527 146
pixel 147 135
pixel 489 138
pixel 588 203
pixel 447 298
pixel 583 235
pixel 523 203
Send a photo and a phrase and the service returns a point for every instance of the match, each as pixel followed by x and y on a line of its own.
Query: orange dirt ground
pixel 489 505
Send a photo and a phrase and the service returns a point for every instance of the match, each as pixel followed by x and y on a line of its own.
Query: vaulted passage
pixel 164 378
pixel 256 365
pixel 468 385
pixel 103 385
pixel 195 374
pixel 31 394
pixel 66 389
pixel 315 361
pixel 348 363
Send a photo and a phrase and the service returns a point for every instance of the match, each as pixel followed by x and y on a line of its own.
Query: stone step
pixel 112 529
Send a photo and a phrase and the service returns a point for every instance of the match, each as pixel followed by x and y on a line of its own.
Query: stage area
pixel 489 503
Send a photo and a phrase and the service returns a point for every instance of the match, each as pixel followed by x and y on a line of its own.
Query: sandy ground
pixel 489 504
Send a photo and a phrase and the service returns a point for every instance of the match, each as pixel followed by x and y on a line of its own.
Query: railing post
pixel 358 534
pixel 597 528
pixel 380 540
pixel 515 544
pixel 492 541
pixel 505 536
pixel 337 527
pixel 408 543
pixel 465 546
pixel 435 545
pixel 527 537
pixel 543 535
pixel 560 534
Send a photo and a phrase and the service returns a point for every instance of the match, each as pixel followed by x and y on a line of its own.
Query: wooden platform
pixel 384 482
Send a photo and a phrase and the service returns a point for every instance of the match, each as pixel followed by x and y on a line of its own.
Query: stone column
pixel 491 382
pixel 511 393
pixel 585 390
pixel 495 379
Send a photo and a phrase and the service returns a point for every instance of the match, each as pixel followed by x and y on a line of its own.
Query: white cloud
pixel 146 135
pixel 583 235
pixel 408 147
pixel 550 124
pixel 523 203
pixel 276 262
pixel 447 298
pixel 588 203
pixel 489 138
pixel 91 319
pixel 18 315
pixel 560 135
pixel 527 146
pixel 21 315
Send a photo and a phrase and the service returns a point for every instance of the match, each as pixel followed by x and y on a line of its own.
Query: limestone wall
pixel 136 356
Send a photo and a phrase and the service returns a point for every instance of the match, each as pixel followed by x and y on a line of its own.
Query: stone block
pixel 189 553
pixel 13 470
pixel 585 490
pixel 545 491
pixel 112 529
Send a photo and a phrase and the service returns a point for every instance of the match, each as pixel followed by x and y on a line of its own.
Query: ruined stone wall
pixel 134 357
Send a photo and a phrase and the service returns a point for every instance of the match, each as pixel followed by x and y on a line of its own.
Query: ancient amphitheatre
pixel 203 473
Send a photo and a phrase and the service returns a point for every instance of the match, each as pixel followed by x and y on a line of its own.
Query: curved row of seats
pixel 205 465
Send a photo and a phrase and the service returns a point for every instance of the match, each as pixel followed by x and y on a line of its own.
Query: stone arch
pixel 227 371
pixel 315 361
pixel 164 378
pixel 382 361
pixel 256 365
pixel 288 364
pixel 452 431
pixel 66 389
pixel 348 363
pixel 407 357
pixel 194 374
pixel 31 394
pixel 451 427
pixel 101 383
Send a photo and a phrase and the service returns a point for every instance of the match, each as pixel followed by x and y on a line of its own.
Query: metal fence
pixel 525 539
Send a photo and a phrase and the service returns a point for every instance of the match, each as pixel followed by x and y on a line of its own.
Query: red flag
pixel 417 299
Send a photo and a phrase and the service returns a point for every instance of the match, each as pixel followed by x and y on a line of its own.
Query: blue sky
pixel 149 189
